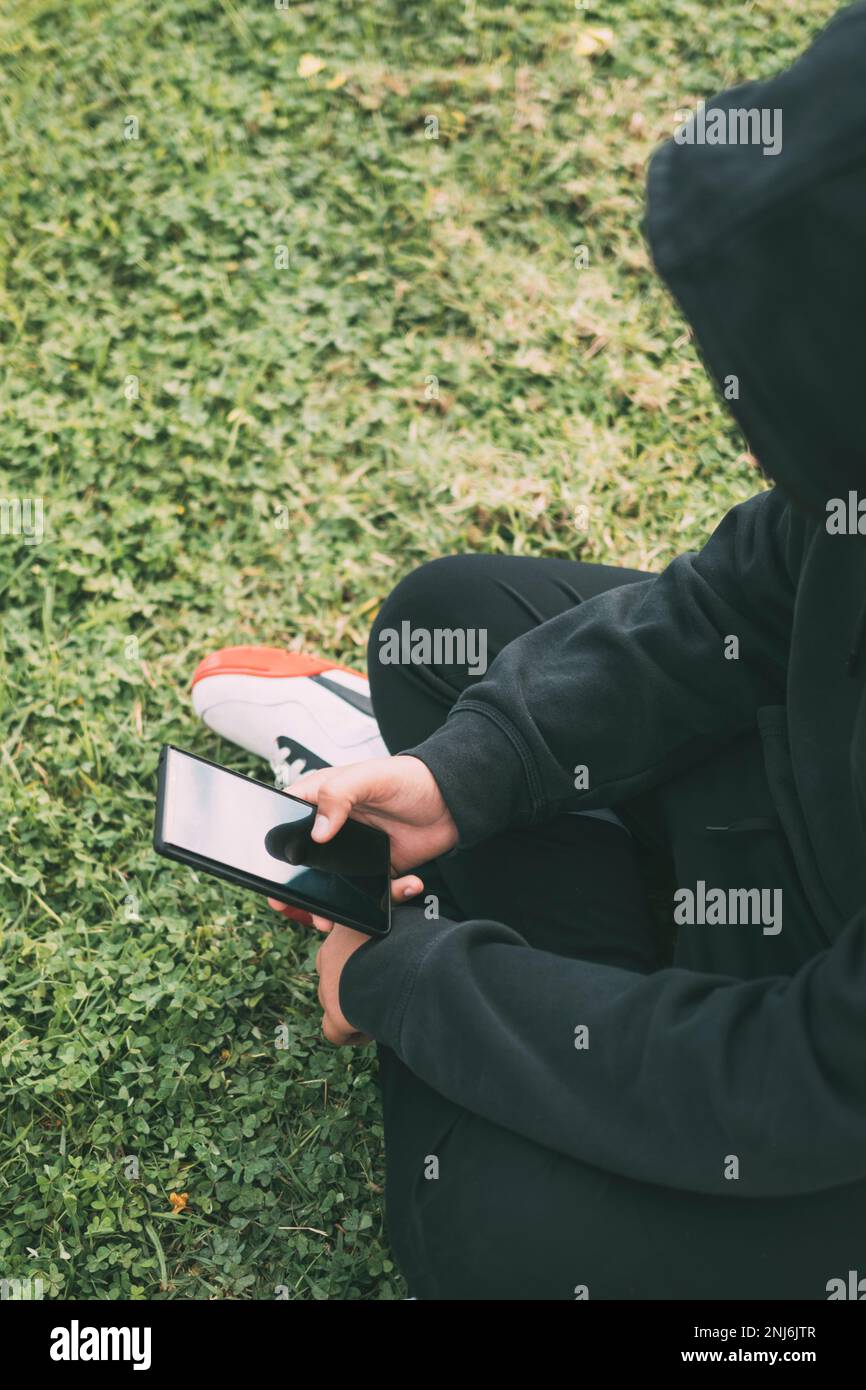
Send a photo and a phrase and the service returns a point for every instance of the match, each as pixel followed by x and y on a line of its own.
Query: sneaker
pixel 299 712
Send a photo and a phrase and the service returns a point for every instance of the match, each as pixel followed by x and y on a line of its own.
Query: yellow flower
pixel 309 65
pixel 178 1201
pixel 593 40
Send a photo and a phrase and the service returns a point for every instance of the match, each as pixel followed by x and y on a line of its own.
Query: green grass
pixel 230 450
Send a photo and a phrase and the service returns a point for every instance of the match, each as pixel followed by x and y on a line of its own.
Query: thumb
pixel 333 805
pixel 307 787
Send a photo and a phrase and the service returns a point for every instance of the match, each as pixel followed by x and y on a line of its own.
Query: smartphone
pixel 251 834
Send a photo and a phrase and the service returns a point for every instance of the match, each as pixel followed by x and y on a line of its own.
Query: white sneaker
pixel 300 712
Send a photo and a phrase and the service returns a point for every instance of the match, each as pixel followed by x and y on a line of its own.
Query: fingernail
pixel 409 892
pixel 320 828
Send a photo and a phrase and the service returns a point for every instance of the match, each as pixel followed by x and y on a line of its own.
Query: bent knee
pixel 433 595
pixel 427 643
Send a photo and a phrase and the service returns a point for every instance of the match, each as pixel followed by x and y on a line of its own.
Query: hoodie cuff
pixel 484 772
pixel 378 979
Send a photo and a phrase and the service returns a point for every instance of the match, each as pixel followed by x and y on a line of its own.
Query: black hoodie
pixel 766 254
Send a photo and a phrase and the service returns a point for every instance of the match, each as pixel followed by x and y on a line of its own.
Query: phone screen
pixel 223 820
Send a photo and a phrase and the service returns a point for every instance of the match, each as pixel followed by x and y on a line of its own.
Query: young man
pixel 574 1106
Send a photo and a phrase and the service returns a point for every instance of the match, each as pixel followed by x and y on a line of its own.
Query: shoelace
pixel 285 771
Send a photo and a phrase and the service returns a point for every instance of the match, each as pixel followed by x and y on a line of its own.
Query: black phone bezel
pixel 238 876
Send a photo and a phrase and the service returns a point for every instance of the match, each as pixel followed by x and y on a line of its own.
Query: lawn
pixel 291 300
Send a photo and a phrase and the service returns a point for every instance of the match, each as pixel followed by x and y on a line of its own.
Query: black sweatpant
pixel 475 1210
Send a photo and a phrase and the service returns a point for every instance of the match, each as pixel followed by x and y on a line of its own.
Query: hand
pixel 398 795
pixel 409 886
pixel 332 955
pixel 339 944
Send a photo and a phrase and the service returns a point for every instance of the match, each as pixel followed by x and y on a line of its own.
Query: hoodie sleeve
pixel 692 1081
pixel 632 685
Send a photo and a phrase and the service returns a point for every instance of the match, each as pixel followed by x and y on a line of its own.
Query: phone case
pixel 237 876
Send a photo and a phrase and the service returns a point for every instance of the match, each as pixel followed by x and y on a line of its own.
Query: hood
pixel 766 255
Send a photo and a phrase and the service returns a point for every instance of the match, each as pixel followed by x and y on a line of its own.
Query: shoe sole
pixel 315 702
